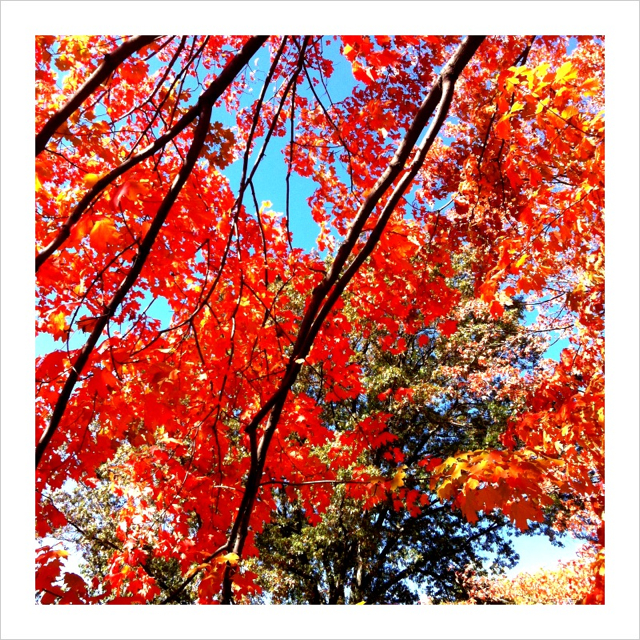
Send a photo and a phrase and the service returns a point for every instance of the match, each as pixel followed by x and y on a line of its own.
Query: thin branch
pixel 568 326
pixel 110 63
pixel 209 96
pixel 216 89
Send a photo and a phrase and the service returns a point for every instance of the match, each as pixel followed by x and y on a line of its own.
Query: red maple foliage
pixel 148 153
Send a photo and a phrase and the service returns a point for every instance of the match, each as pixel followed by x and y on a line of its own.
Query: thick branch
pixel 110 63
pixel 439 97
pixel 209 96
pixel 446 85
pixel 205 105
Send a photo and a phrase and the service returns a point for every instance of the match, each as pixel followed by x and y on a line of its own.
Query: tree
pixel 353 553
pixel 149 152
pixel 571 583
pixel 404 540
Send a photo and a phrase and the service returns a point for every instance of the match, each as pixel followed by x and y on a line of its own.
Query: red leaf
pixel 496 309
pixel 448 327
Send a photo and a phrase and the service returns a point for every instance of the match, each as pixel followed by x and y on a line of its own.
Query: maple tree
pixel 148 155
pixel 354 549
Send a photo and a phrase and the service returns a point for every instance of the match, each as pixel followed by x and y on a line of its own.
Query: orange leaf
pixel 87 324
pixel 102 234
pixel 503 129
pixel 231 558
pixel 398 478
pixel 90 179
pixel 57 325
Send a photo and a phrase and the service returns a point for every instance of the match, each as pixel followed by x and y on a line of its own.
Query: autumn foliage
pixel 578 581
pixel 449 178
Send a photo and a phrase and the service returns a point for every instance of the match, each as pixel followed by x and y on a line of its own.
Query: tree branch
pixel 214 90
pixel 109 64
pixel 439 97
pixel 205 103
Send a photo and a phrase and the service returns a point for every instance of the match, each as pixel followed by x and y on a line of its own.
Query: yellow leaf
pixel 398 478
pixel 347 49
pixel 521 260
pixel 511 83
pixel 231 558
pixel 90 179
pixel 517 106
pixel 472 483
pixel 542 69
pixel 458 469
pixel 363 602
pixel 38 184
pixel 565 72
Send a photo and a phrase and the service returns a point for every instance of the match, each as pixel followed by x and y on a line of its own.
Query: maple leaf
pixel 503 129
pixel 57 325
pixel 565 73
pixel 87 324
pixel 448 327
pixel 521 512
pixel 496 309
pixel 129 191
pixel 430 463
pixel 362 74
pixel 102 234
pixel 398 478
pixel 231 558
pixel 90 179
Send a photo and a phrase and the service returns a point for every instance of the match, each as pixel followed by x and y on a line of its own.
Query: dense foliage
pixel 350 422
pixel 573 582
